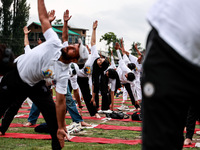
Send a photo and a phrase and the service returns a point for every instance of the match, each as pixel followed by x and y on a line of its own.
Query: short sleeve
pixel 65 44
pixel 94 51
pixel 133 59
pixel 61 86
pixel 74 83
pixel 113 84
pixel 50 35
pixel 27 49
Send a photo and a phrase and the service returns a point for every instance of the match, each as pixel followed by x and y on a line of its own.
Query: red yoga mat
pixel 104 140
pixel 74 139
pixel 26 136
pixel 113 127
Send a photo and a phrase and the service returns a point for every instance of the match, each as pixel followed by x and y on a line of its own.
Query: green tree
pixel 20 19
pixel 12 22
pixel 110 39
pixel 58 21
pixel 6 18
pixel 133 49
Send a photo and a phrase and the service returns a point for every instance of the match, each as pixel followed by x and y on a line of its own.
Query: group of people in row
pixel 170 80
pixel 54 63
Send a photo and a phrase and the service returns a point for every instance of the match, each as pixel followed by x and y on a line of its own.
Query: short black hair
pixel 131 76
pixel 105 65
pixel 131 66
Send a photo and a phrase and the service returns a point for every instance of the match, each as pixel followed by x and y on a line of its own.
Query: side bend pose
pixel 48 60
pixel 126 76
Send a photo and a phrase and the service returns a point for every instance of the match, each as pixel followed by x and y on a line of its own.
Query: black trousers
pixel 192 117
pixel 85 90
pixel 105 102
pixel 13 91
pixel 169 85
pixel 129 90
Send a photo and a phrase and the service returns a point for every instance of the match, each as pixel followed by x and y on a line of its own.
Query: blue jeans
pixel 70 106
pixel 34 114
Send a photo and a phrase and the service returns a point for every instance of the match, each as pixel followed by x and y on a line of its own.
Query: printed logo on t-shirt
pixel 87 70
pixel 136 69
pixel 47 73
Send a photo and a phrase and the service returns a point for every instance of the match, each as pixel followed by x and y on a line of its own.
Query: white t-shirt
pixel 122 70
pixel 177 22
pixel 73 80
pixel 89 63
pixel 42 62
pixel 112 83
pixel 138 69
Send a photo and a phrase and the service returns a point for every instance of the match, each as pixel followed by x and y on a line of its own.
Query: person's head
pixel 6 59
pixel 111 73
pixel 76 53
pixel 130 76
pixel 102 63
pixel 131 66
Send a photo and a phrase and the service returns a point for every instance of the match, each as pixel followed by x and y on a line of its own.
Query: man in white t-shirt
pixel 48 60
pixel 126 76
pixel 171 71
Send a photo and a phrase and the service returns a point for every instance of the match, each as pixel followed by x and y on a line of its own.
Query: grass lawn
pixel 31 144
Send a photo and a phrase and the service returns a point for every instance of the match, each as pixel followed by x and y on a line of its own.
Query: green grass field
pixel 31 144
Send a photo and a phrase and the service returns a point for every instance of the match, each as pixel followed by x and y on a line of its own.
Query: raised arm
pixel 122 47
pixel 124 52
pixel 51 16
pixel 26 32
pixel 93 39
pixel 117 47
pixel 112 61
pixel 139 53
pixel 66 18
pixel 43 16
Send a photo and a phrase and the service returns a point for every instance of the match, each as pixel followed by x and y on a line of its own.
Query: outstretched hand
pixel 122 45
pixel 39 41
pixel 93 102
pixel 51 15
pixel 26 31
pixel 61 135
pixel 66 16
pixel 95 24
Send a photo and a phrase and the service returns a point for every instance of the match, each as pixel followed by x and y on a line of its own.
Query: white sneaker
pixel 123 107
pixel 100 111
pixel 74 128
pixel 197 132
pixel 107 111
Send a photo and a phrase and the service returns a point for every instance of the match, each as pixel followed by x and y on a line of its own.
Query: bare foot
pixel 28 124
pixel 1 133
pixel 187 141
pixel 84 124
pixel 97 115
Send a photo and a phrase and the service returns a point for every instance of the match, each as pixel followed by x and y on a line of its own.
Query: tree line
pixel 14 15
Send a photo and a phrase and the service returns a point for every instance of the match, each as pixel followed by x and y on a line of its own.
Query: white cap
pixel 83 52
